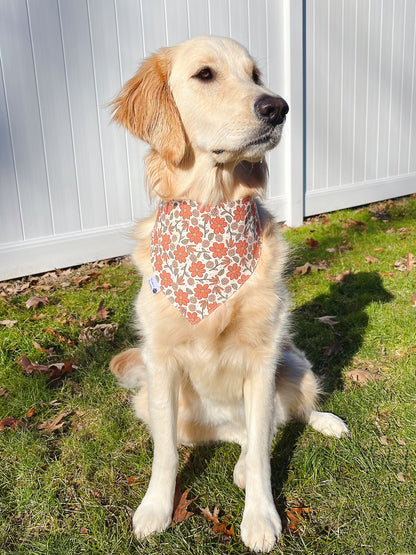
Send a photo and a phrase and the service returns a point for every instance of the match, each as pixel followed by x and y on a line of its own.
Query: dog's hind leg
pixel 297 391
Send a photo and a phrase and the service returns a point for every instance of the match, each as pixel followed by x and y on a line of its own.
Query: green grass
pixel 71 491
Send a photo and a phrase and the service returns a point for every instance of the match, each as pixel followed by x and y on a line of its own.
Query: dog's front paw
pixel 261 529
pixel 150 518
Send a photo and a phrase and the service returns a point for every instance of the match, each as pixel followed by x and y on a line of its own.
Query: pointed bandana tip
pixel 202 254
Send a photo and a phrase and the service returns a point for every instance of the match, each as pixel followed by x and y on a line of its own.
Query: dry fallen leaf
pixel 93 333
pixel 384 440
pixel 329 320
pixel 30 412
pixel 312 243
pixel 8 323
pixel 332 350
pixel 294 516
pixel 372 259
pixel 340 277
pixel 302 270
pixel 219 527
pixel 402 477
pixel 55 424
pixel 101 314
pixel 10 422
pixel 51 350
pixel 59 337
pixel 180 506
pixel 34 302
pixel 363 376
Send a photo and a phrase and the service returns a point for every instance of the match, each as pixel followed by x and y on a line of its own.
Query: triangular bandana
pixel 201 254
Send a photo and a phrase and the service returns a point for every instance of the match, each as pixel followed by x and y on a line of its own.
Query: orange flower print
pixel 193 317
pixel 218 250
pixel 165 279
pixel 168 207
pixel 181 297
pixel 202 291
pixel 212 307
pixel 186 211
pixel 166 240
pixel 180 254
pixel 240 214
pixel 194 234
pixel 243 279
pixel 218 224
pixel 234 271
pixel 158 263
pixel 197 269
pixel 242 247
pixel 256 251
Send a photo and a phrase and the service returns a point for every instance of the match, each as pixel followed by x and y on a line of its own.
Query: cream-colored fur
pixel 235 376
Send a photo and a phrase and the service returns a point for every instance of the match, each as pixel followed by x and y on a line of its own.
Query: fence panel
pixel 359 101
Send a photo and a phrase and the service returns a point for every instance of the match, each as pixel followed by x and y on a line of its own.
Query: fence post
pixel 294 36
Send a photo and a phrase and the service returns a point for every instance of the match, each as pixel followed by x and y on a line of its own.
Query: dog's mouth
pixel 266 140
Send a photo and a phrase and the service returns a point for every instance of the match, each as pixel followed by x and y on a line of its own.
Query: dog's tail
pixel 129 369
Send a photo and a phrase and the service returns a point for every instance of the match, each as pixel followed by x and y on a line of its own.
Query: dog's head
pixel 204 95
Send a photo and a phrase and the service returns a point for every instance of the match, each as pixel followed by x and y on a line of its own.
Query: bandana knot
pixel 202 254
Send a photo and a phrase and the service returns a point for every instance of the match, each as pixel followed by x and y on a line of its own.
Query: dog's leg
pixel 261 524
pixel 155 511
pixel 240 468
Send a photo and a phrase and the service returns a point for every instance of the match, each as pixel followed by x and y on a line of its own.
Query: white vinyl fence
pixel 71 184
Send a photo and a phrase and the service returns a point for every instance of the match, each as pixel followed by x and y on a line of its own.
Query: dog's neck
pixel 200 179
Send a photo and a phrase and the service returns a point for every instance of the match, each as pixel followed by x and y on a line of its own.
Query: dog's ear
pixel 145 106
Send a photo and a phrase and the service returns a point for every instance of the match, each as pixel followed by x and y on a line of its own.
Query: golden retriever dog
pixel 215 361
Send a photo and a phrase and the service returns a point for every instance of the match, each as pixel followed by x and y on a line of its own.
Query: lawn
pixel 74 461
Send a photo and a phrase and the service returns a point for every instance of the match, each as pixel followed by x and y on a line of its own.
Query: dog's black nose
pixel 271 109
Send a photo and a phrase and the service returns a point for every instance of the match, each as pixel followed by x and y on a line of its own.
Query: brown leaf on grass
pixel 312 243
pixel 50 351
pixel 59 337
pixel 34 302
pixel 329 320
pixel 56 370
pixel 52 425
pixel 413 301
pixel 363 376
pixel 30 412
pixel 29 367
pixel 101 314
pixel 219 527
pixel 83 280
pixel 180 506
pixel 4 392
pixel 350 222
pixel 332 350
pixel 372 259
pixel 92 333
pixel 402 477
pixel 384 440
pixel 10 422
pixel 8 323
pixel 340 277
pixel 405 264
pixel 83 530
pixel 302 270
pixel 294 516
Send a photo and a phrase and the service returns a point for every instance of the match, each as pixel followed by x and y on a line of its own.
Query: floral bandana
pixel 201 254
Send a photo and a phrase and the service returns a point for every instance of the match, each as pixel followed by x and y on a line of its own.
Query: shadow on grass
pixel 330 348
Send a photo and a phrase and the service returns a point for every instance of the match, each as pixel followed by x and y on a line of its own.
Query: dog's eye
pixel 205 74
pixel 256 76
